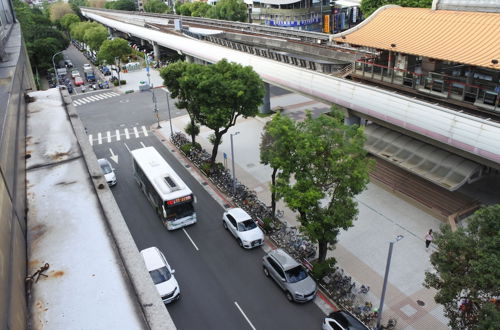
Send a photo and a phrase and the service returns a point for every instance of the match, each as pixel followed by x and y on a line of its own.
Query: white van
pixel 162 275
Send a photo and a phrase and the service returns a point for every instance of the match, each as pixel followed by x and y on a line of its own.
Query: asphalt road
pixel 222 285
pixel 217 278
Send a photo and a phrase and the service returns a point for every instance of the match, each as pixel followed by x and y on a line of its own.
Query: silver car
pixel 291 276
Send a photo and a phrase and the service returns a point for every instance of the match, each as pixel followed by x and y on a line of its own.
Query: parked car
pixel 78 81
pixel 162 275
pixel 342 320
pixel 108 170
pixel 243 228
pixel 75 73
pixel 68 63
pixel 69 87
pixel 87 66
pixel 106 71
pixel 290 276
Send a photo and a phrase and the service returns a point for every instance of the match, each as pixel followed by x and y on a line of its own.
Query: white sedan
pixel 243 228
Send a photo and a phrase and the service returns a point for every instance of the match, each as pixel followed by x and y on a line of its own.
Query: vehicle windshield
pixel 160 275
pixel 106 168
pixel 179 211
pixel 246 225
pixel 296 274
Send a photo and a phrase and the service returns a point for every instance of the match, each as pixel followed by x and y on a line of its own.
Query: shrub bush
pixel 320 269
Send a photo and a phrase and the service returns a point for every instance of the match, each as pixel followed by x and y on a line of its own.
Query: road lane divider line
pixel 244 315
pixel 99 138
pixel 136 132
pixel 117 135
pixel 108 133
pixel 126 134
pixel 126 146
pixel 185 232
pixel 90 140
pixel 144 130
pixel 143 145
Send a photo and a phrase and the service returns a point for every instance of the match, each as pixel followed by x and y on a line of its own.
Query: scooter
pixel 83 89
pixel 94 86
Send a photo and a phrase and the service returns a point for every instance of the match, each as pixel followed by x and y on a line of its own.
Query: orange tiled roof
pixel 465 37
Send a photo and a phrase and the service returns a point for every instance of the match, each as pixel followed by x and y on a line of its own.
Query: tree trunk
pixel 193 136
pixel 322 248
pixel 273 193
pixel 215 149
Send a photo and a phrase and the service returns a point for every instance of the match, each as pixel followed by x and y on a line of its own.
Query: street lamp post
pixel 232 161
pixel 169 114
pixel 386 276
pixel 54 64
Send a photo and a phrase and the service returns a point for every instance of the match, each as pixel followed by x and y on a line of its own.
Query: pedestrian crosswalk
pixel 117 135
pixel 94 98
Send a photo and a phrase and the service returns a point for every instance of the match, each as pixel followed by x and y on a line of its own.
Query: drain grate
pixel 187 166
pixel 204 183
pixel 226 206
pixel 420 303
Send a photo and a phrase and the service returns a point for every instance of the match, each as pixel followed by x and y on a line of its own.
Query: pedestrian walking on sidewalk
pixel 428 239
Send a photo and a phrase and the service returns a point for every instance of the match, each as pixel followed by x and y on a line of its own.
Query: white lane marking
pixel 99 97
pixel 143 145
pixel 99 138
pixel 136 132
pixel 144 130
pixel 76 102
pixel 126 134
pixel 108 133
pixel 244 315
pixel 185 232
pixel 84 100
pixel 93 98
pixel 126 146
pixel 90 140
pixel 117 135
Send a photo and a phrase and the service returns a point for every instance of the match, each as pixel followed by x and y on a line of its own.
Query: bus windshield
pixel 179 211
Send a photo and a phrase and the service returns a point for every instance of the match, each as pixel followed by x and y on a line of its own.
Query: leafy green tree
pixel 42 40
pixel 155 6
pixel 111 49
pixel 58 10
pixel 184 9
pixel 277 148
pixel 329 168
pixel 230 10
pixel 227 91
pixel 177 7
pixel 369 6
pixel 67 20
pixel 123 5
pixel 181 79
pixel 467 271
pixel 95 36
pixel 199 9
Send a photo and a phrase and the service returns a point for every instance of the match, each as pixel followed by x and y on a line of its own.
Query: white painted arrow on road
pixel 113 156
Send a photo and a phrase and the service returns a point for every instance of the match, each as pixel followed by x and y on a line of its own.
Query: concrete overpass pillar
pixel 189 59
pixel 266 100
pixel 143 42
pixel 110 31
pixel 351 119
pixel 156 51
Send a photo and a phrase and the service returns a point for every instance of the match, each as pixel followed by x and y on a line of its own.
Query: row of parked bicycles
pixel 338 285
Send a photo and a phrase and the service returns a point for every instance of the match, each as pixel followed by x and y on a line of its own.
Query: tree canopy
pixel 110 49
pixel 467 271
pixel 58 9
pixel 69 19
pixel 230 10
pixel 277 148
pixel 328 168
pixel 121 5
pixel 214 95
pixel 155 6
pixel 195 9
pixel 42 40
pixel 369 6
pixel 95 36
pixel 181 78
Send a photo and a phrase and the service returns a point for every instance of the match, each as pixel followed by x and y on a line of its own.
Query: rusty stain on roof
pixel 458 36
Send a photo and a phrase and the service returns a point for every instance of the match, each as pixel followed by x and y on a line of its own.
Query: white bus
pixel 169 195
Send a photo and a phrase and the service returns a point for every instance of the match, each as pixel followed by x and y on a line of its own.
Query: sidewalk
pixel 362 250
